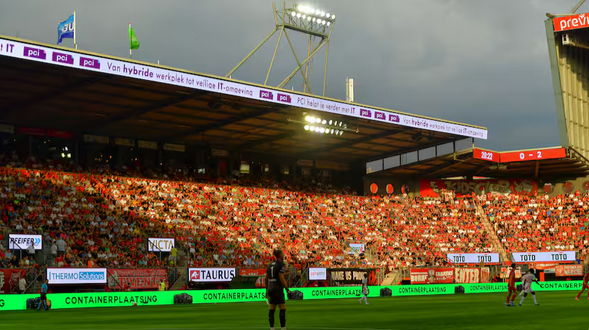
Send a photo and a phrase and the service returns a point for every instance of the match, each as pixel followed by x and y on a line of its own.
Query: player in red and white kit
pixel 585 286
pixel 511 287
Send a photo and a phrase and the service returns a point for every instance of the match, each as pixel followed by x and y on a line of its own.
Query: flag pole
pixel 75 43
pixel 130 49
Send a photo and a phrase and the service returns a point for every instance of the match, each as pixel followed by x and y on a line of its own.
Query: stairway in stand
pixel 491 231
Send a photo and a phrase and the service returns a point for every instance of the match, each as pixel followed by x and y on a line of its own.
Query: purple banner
pixel 284 98
pixel 365 113
pixel 266 95
pixel 63 58
pixel 89 63
pixel 34 53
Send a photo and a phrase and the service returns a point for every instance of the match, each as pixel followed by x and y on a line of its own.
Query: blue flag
pixel 65 29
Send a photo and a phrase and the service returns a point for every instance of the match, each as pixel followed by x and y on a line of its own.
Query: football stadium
pixel 135 195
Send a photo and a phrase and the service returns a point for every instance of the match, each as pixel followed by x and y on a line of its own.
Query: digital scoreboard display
pixel 522 156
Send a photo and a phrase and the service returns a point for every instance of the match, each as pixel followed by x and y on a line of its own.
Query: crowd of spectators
pixel 103 219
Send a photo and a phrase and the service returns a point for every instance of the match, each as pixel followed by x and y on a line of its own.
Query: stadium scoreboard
pixel 519 156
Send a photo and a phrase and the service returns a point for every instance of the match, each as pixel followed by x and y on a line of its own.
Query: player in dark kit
pixel 511 287
pixel 585 286
pixel 275 286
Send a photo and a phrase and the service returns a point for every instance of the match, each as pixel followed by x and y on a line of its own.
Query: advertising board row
pixel 151 298
pixel 519 257
pixel 62 57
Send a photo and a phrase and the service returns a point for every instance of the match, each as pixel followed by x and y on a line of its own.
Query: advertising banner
pixel 433 188
pixel 560 256
pixel 9 279
pixel 357 248
pixel 136 279
pixel 317 274
pixel 471 275
pixel 202 275
pixel 252 272
pixel 232 88
pixel 22 242
pixel 152 298
pixel 160 244
pixel 473 258
pixel 432 275
pixel 76 275
pixel 572 22
pixel 569 270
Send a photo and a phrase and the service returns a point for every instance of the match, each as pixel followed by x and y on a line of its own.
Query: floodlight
pixel 322 14
pixel 330 122
pixel 62 155
pixel 308 18
pixel 327 15
pixel 292 13
pixel 318 120
pixel 304 16
pixel 345 125
pixel 317 11
pixel 299 15
pixel 328 23
pixel 327 131
pixel 333 16
pixel 69 155
pixel 324 122
pixel 341 132
pixel 332 131
pixel 314 19
pixel 341 124
pixel 322 130
pixel 310 119
pixel 336 131
pixel 312 128
pixel 323 22
pixel 306 127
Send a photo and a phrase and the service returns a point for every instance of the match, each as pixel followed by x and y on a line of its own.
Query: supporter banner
pixel 9 279
pixel 22 242
pixel 152 298
pixel 160 244
pixel 359 248
pixel 136 279
pixel 211 274
pixel 252 272
pixel 560 256
pixel 569 270
pixel 433 188
pixel 76 275
pixel 317 274
pixel 467 275
pixel 473 258
pixel 351 276
pixel 33 52
pixel 432 275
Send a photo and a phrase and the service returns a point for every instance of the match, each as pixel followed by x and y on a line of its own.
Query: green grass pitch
pixel 557 310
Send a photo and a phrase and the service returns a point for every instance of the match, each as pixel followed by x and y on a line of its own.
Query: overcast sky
pixel 482 62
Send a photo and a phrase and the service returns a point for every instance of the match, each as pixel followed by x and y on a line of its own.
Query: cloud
pixel 480 62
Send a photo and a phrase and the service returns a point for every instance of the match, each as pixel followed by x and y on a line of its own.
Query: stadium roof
pixel 545 163
pixel 86 93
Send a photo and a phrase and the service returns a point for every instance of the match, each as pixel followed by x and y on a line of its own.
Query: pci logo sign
pixel 284 98
pixel 266 95
pixel 89 63
pixel 211 274
pixel 22 242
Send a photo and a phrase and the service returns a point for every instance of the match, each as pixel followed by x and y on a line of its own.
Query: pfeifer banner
pixel 560 256
pixel 76 275
pixel 136 279
pixel 160 244
pixel 572 22
pixel 22 242
pixel 108 65
pixel 317 274
pixel 473 258
pixel 203 275
pixel 432 275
